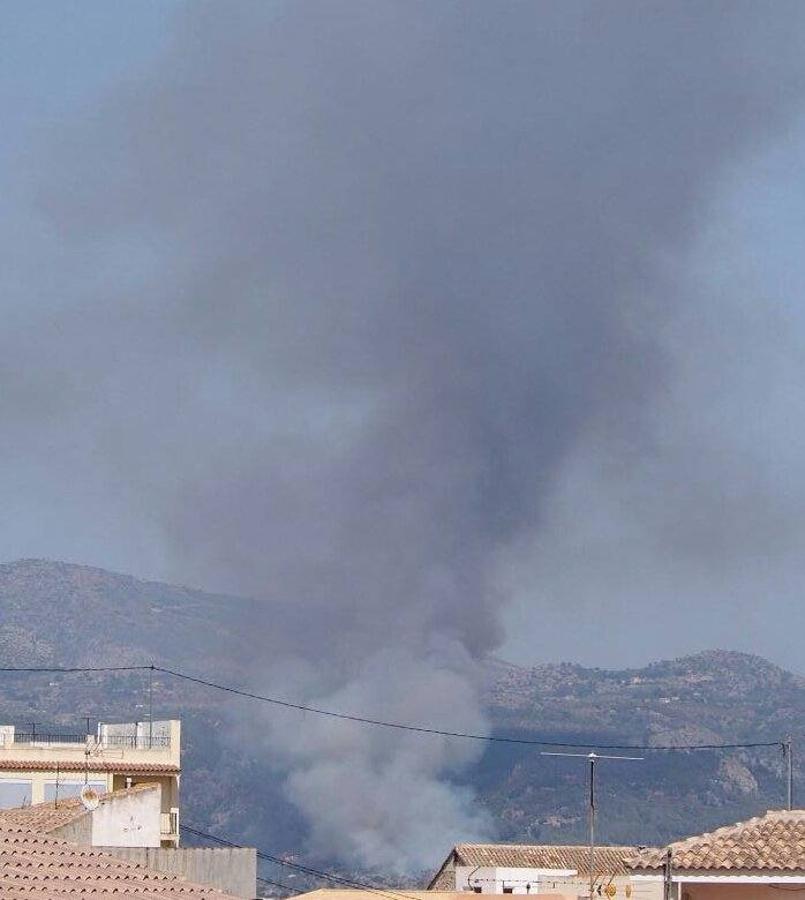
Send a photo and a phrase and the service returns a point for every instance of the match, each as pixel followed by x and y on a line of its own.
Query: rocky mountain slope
pixel 712 697
pixel 60 614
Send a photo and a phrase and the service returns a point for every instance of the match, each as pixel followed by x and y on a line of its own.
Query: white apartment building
pixel 37 765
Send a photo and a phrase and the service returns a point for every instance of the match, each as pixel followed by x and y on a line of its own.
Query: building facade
pixel 760 859
pixel 38 766
pixel 539 869
pixel 126 824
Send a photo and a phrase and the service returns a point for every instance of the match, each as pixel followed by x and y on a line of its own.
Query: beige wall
pixel 169 787
pixel 741 891
pixel 77 753
pixel 39 779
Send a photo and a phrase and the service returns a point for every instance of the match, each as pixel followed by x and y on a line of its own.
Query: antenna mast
pixel 592 758
pixel 150 708
pixel 788 753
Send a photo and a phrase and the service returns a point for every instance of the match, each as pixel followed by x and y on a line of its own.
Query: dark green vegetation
pixel 59 614
pixel 712 697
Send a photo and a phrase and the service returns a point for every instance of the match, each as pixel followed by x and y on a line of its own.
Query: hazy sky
pixel 442 329
pixel 441 301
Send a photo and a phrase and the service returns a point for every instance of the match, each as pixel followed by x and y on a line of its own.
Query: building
pixel 126 824
pixel 534 869
pixel 125 818
pixel 760 859
pixel 394 894
pixel 38 766
pixel 38 866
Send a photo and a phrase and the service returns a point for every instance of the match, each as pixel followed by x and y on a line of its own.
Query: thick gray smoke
pixel 343 286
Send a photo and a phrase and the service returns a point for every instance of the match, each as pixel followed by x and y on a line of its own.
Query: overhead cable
pixel 421 729
pixel 308 870
pixel 400 726
pixel 69 670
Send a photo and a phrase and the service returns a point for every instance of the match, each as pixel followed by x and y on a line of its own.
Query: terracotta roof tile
pixel 96 765
pixel 48 816
pixel 773 841
pixel 608 860
pixel 35 866
pixel 385 894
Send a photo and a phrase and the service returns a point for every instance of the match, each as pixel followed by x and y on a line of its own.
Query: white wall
pixel 130 821
pixel 494 879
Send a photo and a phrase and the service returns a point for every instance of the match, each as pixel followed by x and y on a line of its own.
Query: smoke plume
pixel 337 292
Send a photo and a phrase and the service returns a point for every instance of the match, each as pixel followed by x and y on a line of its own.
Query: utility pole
pixel 788 752
pixel 668 876
pixel 592 759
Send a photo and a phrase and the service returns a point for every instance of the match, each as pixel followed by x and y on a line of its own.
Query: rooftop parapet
pixel 130 740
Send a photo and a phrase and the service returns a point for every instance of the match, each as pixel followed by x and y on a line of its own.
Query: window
pixel 14 792
pixel 71 788
pixel 508 890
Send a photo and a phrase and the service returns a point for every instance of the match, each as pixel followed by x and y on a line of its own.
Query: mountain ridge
pixel 67 614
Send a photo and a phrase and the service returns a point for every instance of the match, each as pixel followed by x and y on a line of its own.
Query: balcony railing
pixel 55 739
pixel 39 737
pixel 137 741
pixel 169 823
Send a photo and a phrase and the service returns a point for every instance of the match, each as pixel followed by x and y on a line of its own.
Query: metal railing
pixel 57 738
pixel 46 737
pixel 169 823
pixel 136 741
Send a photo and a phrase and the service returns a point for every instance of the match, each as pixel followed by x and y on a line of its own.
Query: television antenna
pixel 592 759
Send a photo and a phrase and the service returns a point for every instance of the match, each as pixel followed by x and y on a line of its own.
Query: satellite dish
pixel 90 797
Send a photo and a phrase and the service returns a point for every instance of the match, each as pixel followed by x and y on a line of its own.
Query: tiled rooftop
pixel 608 860
pixel 47 816
pixel 385 894
pixel 96 765
pixel 35 866
pixel 775 841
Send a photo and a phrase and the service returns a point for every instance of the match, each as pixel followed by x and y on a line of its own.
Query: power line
pixel 69 670
pixel 279 884
pixel 308 870
pixel 400 726
pixel 421 729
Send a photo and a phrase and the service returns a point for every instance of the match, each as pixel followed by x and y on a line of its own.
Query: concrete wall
pixel 233 870
pixel 649 890
pixel 129 821
pixel 168 783
pixel 494 879
pixel 78 831
pixel 741 891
